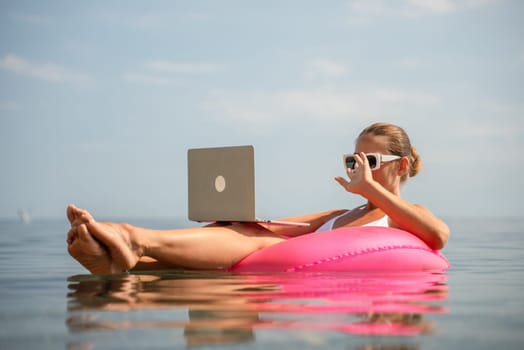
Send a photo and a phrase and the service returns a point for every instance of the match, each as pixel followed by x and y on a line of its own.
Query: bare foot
pixel 115 238
pixel 88 252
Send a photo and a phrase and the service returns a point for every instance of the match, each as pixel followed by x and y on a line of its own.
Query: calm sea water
pixel 48 301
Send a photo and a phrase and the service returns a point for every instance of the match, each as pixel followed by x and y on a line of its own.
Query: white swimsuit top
pixel 328 225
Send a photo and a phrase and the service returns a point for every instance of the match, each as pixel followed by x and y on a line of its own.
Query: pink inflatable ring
pixel 368 248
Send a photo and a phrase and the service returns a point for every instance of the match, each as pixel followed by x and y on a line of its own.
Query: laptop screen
pixel 221 184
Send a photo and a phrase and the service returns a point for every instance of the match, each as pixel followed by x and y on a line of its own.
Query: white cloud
pixel 435 6
pixel 370 8
pixel 411 63
pixel 324 68
pixel 142 21
pixel 152 20
pixel 167 72
pixel 46 71
pixel 266 107
pixel 144 78
pixel 182 68
pixel 364 10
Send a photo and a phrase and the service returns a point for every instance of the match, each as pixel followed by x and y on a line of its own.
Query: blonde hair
pixel 398 144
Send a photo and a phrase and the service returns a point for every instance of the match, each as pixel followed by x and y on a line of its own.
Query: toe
pixel 84 234
pixel 78 216
pixel 71 213
pixel 71 236
pixel 84 216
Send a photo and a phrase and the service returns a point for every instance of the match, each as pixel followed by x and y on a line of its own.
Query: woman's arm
pixel 407 216
pixel 315 220
pixel 410 217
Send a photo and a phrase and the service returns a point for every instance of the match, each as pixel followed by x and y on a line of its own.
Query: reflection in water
pixel 226 308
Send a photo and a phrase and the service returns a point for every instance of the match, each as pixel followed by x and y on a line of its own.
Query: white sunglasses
pixel 374 159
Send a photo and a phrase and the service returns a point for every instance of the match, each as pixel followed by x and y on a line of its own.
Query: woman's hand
pixel 359 177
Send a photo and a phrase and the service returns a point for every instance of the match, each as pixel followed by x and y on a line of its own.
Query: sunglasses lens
pixel 350 162
pixel 372 161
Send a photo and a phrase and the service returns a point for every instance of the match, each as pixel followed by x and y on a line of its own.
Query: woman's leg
pixel 195 248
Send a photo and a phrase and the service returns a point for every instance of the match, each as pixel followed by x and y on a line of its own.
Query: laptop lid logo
pixel 220 183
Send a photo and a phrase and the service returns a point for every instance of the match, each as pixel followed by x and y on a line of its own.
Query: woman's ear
pixel 403 168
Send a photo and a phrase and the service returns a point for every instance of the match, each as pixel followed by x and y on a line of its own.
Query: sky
pixel 100 100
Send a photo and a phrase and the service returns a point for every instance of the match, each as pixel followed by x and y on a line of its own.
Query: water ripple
pixel 222 308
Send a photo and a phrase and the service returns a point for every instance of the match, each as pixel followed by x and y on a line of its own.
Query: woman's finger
pixel 343 182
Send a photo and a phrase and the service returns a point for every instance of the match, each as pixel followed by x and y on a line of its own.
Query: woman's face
pixel 389 173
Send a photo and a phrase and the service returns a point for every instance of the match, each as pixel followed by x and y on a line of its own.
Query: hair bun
pixel 415 162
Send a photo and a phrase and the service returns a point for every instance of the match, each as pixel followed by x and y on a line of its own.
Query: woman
pixel 111 248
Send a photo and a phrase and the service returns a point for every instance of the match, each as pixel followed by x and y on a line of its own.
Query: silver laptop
pixel 221 185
